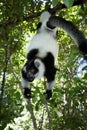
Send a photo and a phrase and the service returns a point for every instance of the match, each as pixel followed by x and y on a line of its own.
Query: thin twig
pixel 32 114
pixel 5 62
pixel 85 110
pixel 41 121
pixel 5 68
pixel 12 69
pixel 47 109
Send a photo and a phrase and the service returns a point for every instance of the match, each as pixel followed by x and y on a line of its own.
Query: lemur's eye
pixel 32 70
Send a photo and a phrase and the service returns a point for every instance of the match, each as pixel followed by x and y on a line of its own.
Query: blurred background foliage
pixel 68 107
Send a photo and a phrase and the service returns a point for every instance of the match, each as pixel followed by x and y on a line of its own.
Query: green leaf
pixel 17 96
pixel 68 3
pixel 54 2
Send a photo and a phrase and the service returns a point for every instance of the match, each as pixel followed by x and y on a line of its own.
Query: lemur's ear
pixel 37 62
pixel 52 11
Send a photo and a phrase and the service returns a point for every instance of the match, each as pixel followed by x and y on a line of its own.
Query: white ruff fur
pixel 45 43
pixel 51 84
pixel 25 83
pixel 41 69
pixel 44 17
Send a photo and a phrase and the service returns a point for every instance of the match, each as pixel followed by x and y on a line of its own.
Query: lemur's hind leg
pixel 50 73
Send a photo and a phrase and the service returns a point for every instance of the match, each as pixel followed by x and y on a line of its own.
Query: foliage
pixel 67 110
pixel 68 3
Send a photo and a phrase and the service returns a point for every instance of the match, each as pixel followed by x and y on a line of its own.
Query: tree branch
pixel 85 109
pixel 32 114
pixel 58 7
pixel 5 62
pixel 4 71
pixel 46 105
pixel 12 69
pixel 41 121
pixel 47 109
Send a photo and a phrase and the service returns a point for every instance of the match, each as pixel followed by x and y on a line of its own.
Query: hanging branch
pixel 5 62
pixel 32 114
pixel 3 79
pixel 47 109
pixel 14 74
pixel 41 121
pixel 5 36
pixel 29 17
pixel 85 109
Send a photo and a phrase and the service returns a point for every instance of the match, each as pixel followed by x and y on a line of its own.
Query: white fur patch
pixel 50 85
pixel 45 43
pixel 45 16
pixel 37 63
pixel 24 68
pixel 25 83
pixel 41 69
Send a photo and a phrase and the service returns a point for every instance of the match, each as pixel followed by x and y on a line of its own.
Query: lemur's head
pixel 33 69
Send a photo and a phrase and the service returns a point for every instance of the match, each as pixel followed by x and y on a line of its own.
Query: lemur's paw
pixel 27 93
pixel 48 94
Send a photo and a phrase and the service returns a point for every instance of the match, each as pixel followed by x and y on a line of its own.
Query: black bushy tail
pixel 72 30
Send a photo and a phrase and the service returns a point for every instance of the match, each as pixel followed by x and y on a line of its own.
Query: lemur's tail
pixel 72 30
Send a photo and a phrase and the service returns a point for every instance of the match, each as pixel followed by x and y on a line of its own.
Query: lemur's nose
pixel 30 76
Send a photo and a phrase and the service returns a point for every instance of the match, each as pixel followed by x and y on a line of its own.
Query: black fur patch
pixel 31 70
pixel 39 25
pixel 85 58
pixel 24 75
pixel 48 94
pixel 50 26
pixel 32 54
pixel 30 66
pixel 50 68
pixel 27 93
pixel 83 47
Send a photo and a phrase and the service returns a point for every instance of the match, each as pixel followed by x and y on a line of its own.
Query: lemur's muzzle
pixel 30 76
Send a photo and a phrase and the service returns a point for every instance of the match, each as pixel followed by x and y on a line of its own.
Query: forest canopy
pixel 67 109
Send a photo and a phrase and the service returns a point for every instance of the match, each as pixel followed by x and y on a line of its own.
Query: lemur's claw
pixel 27 93
pixel 48 94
